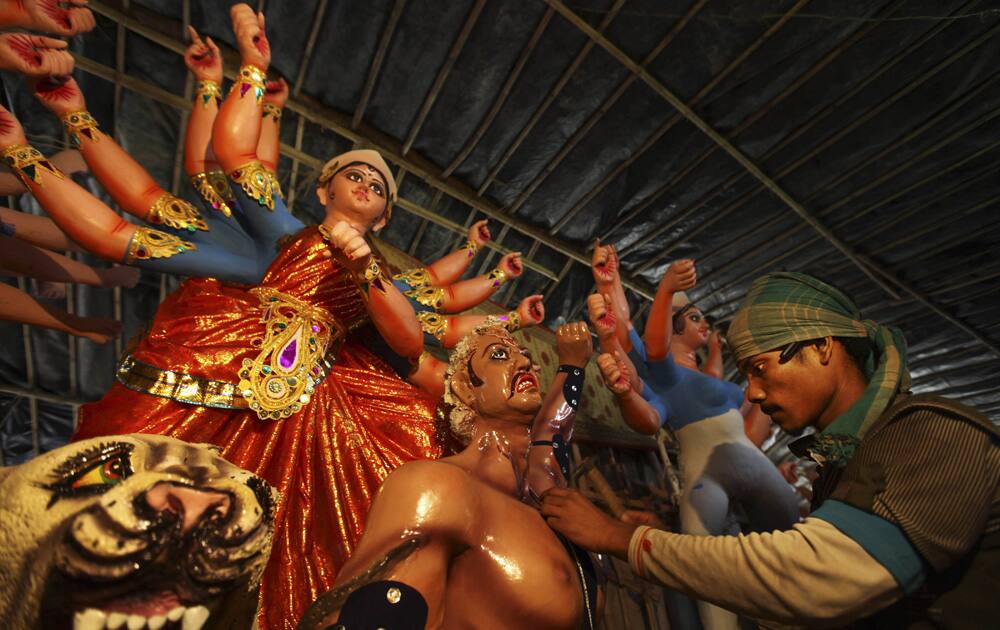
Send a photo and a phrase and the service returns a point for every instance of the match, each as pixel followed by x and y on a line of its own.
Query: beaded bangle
pixel 471 247
pixel 78 124
pixel 251 77
pixel 257 181
pixel 372 275
pixel 27 162
pixel 207 90
pixel 498 276
pixel 270 109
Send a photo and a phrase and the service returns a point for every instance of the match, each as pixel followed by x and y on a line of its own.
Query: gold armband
pixel 511 321
pixel 270 109
pixel 433 324
pixel 214 188
pixel 257 181
pixel 147 243
pixel 498 276
pixel 471 247
pixel 251 78
pixel 172 212
pixel 78 124
pixel 417 277
pixel 432 297
pixel 27 162
pixel 207 90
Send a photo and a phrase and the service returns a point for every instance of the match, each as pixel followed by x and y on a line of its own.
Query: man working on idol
pixel 905 530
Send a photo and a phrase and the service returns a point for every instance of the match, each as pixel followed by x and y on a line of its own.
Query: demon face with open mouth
pixel 135 531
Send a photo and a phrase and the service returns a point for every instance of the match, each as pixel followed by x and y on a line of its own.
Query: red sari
pixel 331 446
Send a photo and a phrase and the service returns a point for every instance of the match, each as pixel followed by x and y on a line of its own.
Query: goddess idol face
pixel 357 194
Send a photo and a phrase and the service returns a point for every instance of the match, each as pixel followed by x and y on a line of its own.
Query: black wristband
pixel 573 386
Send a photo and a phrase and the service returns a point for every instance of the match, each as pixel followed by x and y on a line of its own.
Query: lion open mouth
pixel 153 573
pixel 151 614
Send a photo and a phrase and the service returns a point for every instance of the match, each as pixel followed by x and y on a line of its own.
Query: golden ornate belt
pixel 297 351
pixel 286 370
pixel 192 390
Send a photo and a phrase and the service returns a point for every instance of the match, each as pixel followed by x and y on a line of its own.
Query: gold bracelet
pixel 471 247
pixel 257 181
pixel 172 212
pixel 270 109
pixel 498 276
pixel 251 77
pixel 512 321
pixel 27 162
pixel 433 324
pixel 147 243
pixel 372 274
pixel 207 90
pixel 78 124
pixel 214 188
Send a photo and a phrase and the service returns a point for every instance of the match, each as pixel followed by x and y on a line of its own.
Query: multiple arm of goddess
pixel 235 138
pixel 204 61
pixel 16 305
pixel 83 217
pixel 608 313
pixel 128 183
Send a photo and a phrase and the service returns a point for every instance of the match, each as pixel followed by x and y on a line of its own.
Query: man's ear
pixel 322 195
pixel 461 387
pixel 824 350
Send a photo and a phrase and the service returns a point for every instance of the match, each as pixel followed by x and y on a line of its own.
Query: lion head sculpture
pixel 132 531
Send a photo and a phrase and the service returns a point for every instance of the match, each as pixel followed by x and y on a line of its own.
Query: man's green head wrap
pixel 784 307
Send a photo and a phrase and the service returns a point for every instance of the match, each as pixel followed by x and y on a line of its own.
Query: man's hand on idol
pixel 615 373
pixel 572 515
pixel 11 131
pixel 601 315
pixel 351 243
pixel 604 263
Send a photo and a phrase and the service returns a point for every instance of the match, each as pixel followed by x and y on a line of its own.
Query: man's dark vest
pixel 966 595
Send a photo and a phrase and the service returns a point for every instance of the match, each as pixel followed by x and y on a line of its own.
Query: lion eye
pixel 90 472
pixel 102 474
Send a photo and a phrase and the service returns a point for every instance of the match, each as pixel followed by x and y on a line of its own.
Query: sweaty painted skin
pixel 479 556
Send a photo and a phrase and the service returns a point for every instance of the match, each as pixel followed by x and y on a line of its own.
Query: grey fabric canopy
pixel 855 140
